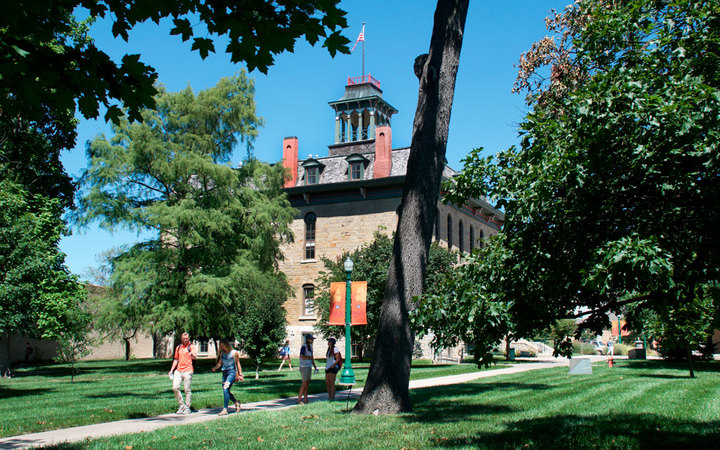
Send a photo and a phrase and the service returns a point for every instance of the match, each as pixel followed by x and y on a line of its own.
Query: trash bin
pixel 511 354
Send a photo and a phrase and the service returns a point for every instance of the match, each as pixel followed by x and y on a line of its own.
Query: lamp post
pixel 348 376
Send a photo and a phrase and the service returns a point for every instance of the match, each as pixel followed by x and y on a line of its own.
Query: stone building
pixel 345 197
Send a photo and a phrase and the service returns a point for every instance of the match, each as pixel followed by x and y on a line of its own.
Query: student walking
pixel 182 372
pixel 332 367
pixel 285 355
pixel 229 362
pixel 307 363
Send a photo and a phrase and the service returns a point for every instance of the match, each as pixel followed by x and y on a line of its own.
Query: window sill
pixel 308 261
pixel 307 318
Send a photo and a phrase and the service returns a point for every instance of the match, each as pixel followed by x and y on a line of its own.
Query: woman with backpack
pixel 229 362
pixel 332 367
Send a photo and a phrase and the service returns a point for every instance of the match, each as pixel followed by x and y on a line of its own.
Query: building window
pixel 308 300
pixel 204 346
pixel 311 175
pixel 461 238
pixel 449 231
pixel 482 236
pixel 356 171
pixel 472 238
pixel 310 220
pixel 437 226
pixel 356 166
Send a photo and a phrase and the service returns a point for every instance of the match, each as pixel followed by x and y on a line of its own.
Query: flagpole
pixel 363 58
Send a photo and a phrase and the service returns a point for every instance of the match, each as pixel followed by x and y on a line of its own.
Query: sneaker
pixel 181 410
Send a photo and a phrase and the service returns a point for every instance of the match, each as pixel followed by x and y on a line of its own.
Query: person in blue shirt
pixel 285 355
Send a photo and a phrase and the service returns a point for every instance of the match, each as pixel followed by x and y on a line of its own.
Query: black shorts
pixel 334 369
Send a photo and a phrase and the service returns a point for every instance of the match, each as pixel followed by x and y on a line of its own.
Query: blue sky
pixel 293 96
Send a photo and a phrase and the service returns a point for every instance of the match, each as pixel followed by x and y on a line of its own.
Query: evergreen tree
pixel 215 230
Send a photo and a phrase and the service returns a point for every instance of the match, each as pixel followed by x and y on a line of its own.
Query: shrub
pixel 582 348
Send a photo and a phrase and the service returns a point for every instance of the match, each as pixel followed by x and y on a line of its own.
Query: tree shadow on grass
pixel 574 432
pixel 446 404
pixel 681 366
pixel 10 393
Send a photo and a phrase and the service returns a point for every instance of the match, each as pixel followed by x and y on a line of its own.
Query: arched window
pixel 472 238
pixel 310 220
pixel 437 226
pixel 461 238
pixel 482 236
pixel 449 231
pixel 308 300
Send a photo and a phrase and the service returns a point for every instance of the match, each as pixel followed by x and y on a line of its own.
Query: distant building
pixel 343 198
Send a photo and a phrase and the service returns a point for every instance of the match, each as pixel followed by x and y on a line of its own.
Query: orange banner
pixel 358 297
pixel 618 325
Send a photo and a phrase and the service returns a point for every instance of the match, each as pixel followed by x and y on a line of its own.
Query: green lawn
pixel 42 398
pixel 634 405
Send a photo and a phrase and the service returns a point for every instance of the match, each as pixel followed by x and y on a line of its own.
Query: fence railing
pixel 363 79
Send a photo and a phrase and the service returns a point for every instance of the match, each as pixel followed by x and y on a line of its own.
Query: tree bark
pixel 127 349
pixel 690 362
pixel 4 353
pixel 387 388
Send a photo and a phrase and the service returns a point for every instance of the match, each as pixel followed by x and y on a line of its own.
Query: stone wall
pixel 339 227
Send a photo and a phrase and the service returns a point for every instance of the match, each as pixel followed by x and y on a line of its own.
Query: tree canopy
pixel 38 296
pixel 215 230
pixel 610 198
pixel 47 64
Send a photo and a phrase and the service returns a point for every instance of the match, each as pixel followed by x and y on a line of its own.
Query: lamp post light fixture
pixel 348 376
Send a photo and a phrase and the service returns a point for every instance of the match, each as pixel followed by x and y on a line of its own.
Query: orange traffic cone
pixel 610 361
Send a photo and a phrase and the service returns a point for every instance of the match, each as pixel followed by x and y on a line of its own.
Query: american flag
pixel 361 37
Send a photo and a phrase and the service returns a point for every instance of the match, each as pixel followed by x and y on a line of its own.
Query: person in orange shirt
pixel 182 371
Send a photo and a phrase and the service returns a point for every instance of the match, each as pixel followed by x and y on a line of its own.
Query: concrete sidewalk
pixel 153 423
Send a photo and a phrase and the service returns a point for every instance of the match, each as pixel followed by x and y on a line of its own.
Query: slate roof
pixel 334 169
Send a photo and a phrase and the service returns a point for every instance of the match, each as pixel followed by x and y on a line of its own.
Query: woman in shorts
pixel 332 367
pixel 307 363
pixel 285 355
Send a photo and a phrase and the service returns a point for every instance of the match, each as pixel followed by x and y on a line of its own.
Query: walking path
pixel 153 423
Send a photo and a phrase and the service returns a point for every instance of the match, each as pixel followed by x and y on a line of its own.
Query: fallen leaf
pixel 128 447
pixel 260 439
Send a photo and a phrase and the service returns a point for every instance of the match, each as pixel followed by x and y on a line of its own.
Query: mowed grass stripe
pixel 42 398
pixel 502 412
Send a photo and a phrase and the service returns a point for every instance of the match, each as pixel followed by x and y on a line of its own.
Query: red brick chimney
pixel 290 160
pixel 383 151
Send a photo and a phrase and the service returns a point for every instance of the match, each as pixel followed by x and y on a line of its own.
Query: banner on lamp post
pixel 358 297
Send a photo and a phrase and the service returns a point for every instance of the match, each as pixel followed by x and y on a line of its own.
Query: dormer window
pixel 356 166
pixel 356 171
pixel 312 171
pixel 311 175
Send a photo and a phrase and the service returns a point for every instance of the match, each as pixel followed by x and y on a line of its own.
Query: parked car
pixel 599 347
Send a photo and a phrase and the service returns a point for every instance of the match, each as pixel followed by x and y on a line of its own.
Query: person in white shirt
pixel 332 367
pixel 307 363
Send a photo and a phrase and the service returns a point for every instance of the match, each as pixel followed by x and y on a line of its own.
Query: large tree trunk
pixel 127 349
pixel 690 361
pixel 386 390
pixel 4 354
